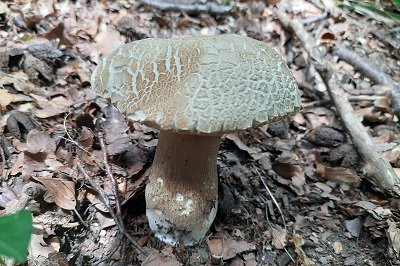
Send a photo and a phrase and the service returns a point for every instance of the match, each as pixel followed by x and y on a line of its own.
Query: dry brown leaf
pixel 326 191
pixel 370 114
pixel 378 212
pixel 55 106
pixel 393 235
pixel 108 41
pixel 240 144
pixel 339 174
pixel 293 176
pixel 115 130
pixel 286 170
pixel 250 259
pixel 354 226
pixel 61 190
pixel 298 243
pixel 39 142
pixel 39 250
pixel 278 237
pixel 10 194
pixel 86 138
pixel 319 116
pixel 216 246
pixel 18 80
pixel 95 201
pixel 59 33
pixel 165 258
pixel 6 98
pixel 228 248
pixel 337 247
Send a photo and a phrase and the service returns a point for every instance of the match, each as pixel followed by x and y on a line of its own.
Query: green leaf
pixel 15 234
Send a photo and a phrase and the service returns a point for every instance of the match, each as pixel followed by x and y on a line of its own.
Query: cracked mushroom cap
pixel 198 84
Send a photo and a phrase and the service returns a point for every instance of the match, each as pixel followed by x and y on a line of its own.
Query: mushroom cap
pixel 198 84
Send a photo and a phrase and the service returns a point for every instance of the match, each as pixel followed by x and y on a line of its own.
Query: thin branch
pixel 3 161
pixel 197 8
pixel 377 169
pixel 369 69
pixel 69 136
pixel 106 202
pixel 315 18
pixel 108 170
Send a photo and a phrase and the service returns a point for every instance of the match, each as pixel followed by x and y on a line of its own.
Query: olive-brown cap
pixel 198 84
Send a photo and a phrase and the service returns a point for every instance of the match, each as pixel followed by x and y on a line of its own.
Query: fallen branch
pixel 370 70
pixel 191 9
pixel 377 169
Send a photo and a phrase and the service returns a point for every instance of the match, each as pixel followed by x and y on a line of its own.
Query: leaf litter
pixel 50 118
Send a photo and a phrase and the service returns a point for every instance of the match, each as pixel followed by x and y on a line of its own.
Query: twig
pixel 370 70
pixel 69 136
pixel 377 169
pixel 106 202
pixel 210 8
pixel 273 198
pixel 108 170
pixel 316 18
pixel 280 212
pixel 3 161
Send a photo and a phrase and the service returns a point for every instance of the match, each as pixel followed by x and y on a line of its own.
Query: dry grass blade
pixel 280 212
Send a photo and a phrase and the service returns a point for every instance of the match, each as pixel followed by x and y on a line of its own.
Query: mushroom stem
pixel 182 192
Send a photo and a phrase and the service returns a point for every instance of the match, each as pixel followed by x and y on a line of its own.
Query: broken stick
pixel 377 169
pixel 191 9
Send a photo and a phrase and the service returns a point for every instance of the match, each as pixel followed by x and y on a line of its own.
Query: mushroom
pixel 194 90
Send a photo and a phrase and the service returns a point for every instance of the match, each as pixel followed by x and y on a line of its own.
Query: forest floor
pixel 53 145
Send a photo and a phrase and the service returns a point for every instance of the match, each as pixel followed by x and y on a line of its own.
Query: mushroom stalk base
pixel 182 193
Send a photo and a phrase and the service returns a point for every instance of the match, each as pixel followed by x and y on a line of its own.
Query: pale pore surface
pixel 198 84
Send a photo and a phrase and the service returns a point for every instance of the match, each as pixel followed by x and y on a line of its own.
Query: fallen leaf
pixel 61 190
pixel 165 258
pixel 108 41
pixel 354 226
pixel 55 106
pixel 278 236
pixel 393 235
pixel 39 142
pixel 39 248
pixel 115 130
pixel 339 174
pixel 6 98
pixel 216 246
pixel 298 243
pixel 18 80
pixel 240 144
pixel 228 248
pixel 337 247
